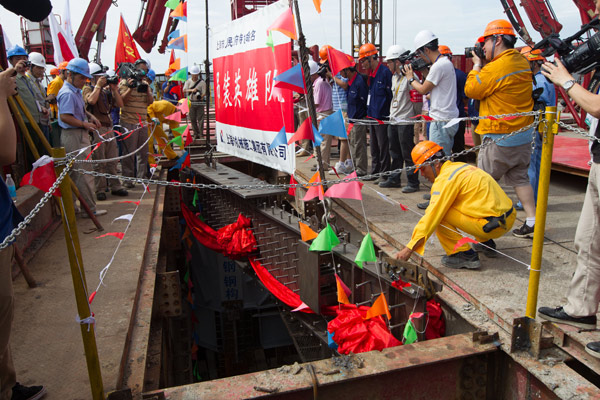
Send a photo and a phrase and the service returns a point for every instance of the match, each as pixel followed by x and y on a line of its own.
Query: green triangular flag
pixel 179 129
pixel 172 4
pixel 177 140
pixel 326 240
pixel 270 41
pixel 410 335
pixel 179 75
pixel 366 251
pixel 186 277
pixel 195 199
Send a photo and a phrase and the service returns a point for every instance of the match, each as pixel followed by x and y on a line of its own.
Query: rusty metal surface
pixel 376 375
pixel 168 294
pixel 133 362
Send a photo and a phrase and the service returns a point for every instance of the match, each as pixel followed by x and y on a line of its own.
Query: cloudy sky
pixel 457 23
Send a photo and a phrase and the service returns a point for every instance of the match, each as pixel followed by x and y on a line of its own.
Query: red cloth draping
pixel 353 333
pixel 436 326
pixel 277 288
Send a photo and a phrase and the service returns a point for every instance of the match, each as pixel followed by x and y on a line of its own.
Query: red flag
pixel 125 50
pixel 292 190
pixel 463 241
pixel 42 176
pixel 304 132
pixel 118 235
pixel 339 60
pixel 285 24
pixel 187 162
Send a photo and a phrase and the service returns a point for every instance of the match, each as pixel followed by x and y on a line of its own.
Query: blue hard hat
pixel 151 74
pixel 79 66
pixel 16 51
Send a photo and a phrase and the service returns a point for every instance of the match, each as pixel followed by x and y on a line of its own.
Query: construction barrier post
pixel 88 334
pixel 550 128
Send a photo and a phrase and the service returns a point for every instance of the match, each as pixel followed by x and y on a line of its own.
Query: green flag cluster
pixel 410 334
pixel 179 129
pixel 177 140
pixel 325 241
pixel 366 253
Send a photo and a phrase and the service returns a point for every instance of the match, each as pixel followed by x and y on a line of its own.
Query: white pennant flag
pixel 452 122
pixel 126 217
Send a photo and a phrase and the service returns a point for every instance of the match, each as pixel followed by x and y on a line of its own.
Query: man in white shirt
pixel 441 84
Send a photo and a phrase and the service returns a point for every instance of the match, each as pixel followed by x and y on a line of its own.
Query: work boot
pixel 379 180
pixel 390 183
pixel 559 315
pixel 20 392
pixel 525 231
pixel 489 251
pixel 593 348
pixel 464 259
pixel 427 196
pixel 424 205
pixel 120 192
pixel 410 189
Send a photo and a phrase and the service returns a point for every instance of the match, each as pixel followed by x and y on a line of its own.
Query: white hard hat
pixel 313 66
pixel 37 59
pixel 95 68
pixel 394 52
pixel 423 38
pixel 110 72
pixel 194 70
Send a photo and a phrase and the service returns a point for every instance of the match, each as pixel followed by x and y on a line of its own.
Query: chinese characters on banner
pixel 231 281
pixel 249 111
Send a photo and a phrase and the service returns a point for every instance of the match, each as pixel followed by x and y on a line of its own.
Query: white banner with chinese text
pixel 249 111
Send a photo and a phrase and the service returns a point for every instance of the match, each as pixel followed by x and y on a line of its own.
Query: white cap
pixel 313 66
pixel 194 70
pixel 37 59
pixel 95 68
pixel 423 38
pixel 394 52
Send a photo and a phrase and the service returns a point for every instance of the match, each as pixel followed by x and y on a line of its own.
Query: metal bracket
pixel 482 337
pixel 168 294
pixel 412 273
pixel 526 336
pixel 124 394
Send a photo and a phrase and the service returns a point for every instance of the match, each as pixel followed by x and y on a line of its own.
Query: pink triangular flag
pixel 314 191
pixel 176 116
pixel 463 241
pixel 346 190
pixel 183 106
pixel 118 235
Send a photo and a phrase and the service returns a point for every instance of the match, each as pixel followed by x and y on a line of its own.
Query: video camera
pixel 415 61
pixel 577 58
pixel 128 71
pixel 477 49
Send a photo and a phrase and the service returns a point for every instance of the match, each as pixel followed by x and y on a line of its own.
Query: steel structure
pixel 366 18
pixel 239 8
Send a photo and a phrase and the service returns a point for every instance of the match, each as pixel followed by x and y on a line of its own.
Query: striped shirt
pixel 135 108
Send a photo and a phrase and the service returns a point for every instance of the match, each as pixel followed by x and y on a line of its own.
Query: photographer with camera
pixel 137 96
pixel 504 86
pixel 401 137
pixel 441 84
pixel 99 100
pixel 584 290
pixel 378 107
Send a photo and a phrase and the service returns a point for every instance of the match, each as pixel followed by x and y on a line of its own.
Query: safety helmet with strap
pixel 445 50
pixel 95 68
pixel 323 52
pixel 394 52
pixel 79 66
pixel 37 59
pixel 423 38
pixel 16 51
pixel 497 27
pixel 423 151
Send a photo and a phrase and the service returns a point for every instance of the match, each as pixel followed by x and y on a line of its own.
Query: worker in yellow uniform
pixel 463 198
pixel 54 87
pixel 159 109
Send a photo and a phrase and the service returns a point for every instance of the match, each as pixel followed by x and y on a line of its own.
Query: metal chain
pixel 413 121
pixel 23 224
pixel 287 185
pixel 578 130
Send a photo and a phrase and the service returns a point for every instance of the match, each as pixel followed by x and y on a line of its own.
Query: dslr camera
pixel 477 49
pixel 576 53
pixel 415 61
pixel 128 71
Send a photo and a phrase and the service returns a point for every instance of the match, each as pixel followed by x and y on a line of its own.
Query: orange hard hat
pixel 54 71
pixel 444 50
pixel 63 65
pixel 497 27
pixel 423 152
pixel 323 52
pixel 366 50
pixel 532 55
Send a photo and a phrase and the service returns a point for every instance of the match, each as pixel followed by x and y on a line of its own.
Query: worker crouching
pixel 463 198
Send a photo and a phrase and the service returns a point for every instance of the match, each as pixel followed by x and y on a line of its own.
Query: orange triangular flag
pixel 317 4
pixel 175 65
pixel 285 24
pixel 341 294
pixel 306 233
pixel 380 307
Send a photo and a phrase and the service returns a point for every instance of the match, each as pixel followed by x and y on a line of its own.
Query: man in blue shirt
pixel 75 128
pixel 358 92
pixel 9 218
pixel 378 102
pixel 547 98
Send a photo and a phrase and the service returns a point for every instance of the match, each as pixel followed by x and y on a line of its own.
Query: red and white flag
pixel 63 50
pixel 67 25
